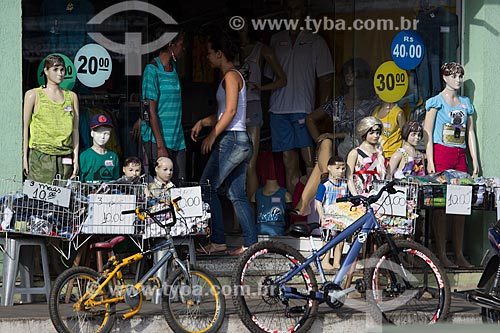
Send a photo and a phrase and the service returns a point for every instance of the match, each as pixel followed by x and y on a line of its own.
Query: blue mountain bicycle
pixel 275 288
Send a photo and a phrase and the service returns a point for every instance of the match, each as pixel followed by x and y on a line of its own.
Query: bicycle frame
pixel 116 272
pixel 367 223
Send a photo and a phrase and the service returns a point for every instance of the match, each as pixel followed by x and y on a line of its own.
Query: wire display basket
pixel 194 215
pixel 29 207
pixel 104 202
pixel 397 213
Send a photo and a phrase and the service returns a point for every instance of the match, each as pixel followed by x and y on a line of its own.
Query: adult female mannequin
pixel 230 145
pixel 255 54
pixel 355 102
pixel 407 160
pixel 50 119
pixel 448 131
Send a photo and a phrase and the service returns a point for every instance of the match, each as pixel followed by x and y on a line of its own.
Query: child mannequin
pixel 161 185
pixel 271 200
pixel 448 131
pixel 50 127
pixel 407 160
pixel 366 163
pixel 328 191
pixel 393 119
pixel 132 167
pixel 97 163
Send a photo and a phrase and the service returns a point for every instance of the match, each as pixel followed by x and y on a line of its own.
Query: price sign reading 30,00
pixel 390 82
pixel 93 65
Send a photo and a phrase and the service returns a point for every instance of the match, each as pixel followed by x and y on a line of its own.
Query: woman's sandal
pixel 211 248
pixel 238 251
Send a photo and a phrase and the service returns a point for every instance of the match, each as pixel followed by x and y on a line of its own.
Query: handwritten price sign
pixel 191 203
pixel 105 214
pixel 393 204
pixel 45 192
pixel 458 199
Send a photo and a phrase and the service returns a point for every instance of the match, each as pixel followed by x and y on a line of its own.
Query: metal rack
pixel 36 208
pixel 397 213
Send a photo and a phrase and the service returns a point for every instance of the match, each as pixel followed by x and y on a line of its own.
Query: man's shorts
pixel 289 131
pixel 254 114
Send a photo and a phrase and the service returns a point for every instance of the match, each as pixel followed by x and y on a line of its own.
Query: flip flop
pixel 211 248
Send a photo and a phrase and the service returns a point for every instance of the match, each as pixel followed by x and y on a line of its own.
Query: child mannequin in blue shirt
pixel 329 190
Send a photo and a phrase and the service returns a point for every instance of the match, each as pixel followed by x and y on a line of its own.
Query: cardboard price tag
pixel 458 199
pixel 45 192
pixel 191 203
pixel 105 214
pixel 393 204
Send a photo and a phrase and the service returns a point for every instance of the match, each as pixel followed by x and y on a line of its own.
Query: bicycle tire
pixel 261 307
pixel 393 293
pixel 194 309
pixel 62 313
pixel 490 316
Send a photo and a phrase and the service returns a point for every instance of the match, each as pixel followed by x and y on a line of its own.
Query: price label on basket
pixel 191 202
pixel 45 192
pixel 393 204
pixel 458 199
pixel 105 214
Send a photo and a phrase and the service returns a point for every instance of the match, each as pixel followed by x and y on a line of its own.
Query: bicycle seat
pixel 302 230
pixel 107 244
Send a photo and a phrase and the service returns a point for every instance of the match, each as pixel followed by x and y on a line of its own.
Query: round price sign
pixel 93 65
pixel 69 78
pixel 407 49
pixel 390 82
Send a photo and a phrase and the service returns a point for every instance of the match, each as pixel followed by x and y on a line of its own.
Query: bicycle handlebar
pixel 357 199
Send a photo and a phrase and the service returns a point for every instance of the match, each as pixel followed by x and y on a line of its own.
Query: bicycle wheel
pixel 410 289
pixel 66 308
pixel 490 316
pixel 199 307
pixel 260 303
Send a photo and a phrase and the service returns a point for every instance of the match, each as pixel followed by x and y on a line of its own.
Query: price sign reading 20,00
pixel 93 65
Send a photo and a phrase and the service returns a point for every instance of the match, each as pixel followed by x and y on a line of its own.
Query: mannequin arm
pixel 394 164
pixel 471 143
pixel 312 119
pixel 325 88
pixel 401 119
pixel 430 118
pixel 30 100
pixel 76 136
pixel 349 173
pixel 270 58
pixel 319 209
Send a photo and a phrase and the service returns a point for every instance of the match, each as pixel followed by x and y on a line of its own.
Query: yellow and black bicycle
pixel 83 300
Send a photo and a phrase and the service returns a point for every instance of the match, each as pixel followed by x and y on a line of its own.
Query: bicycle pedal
pixel 360 286
pixel 155 283
pixel 297 309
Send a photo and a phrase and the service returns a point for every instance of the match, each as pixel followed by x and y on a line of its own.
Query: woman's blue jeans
pixel 228 165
